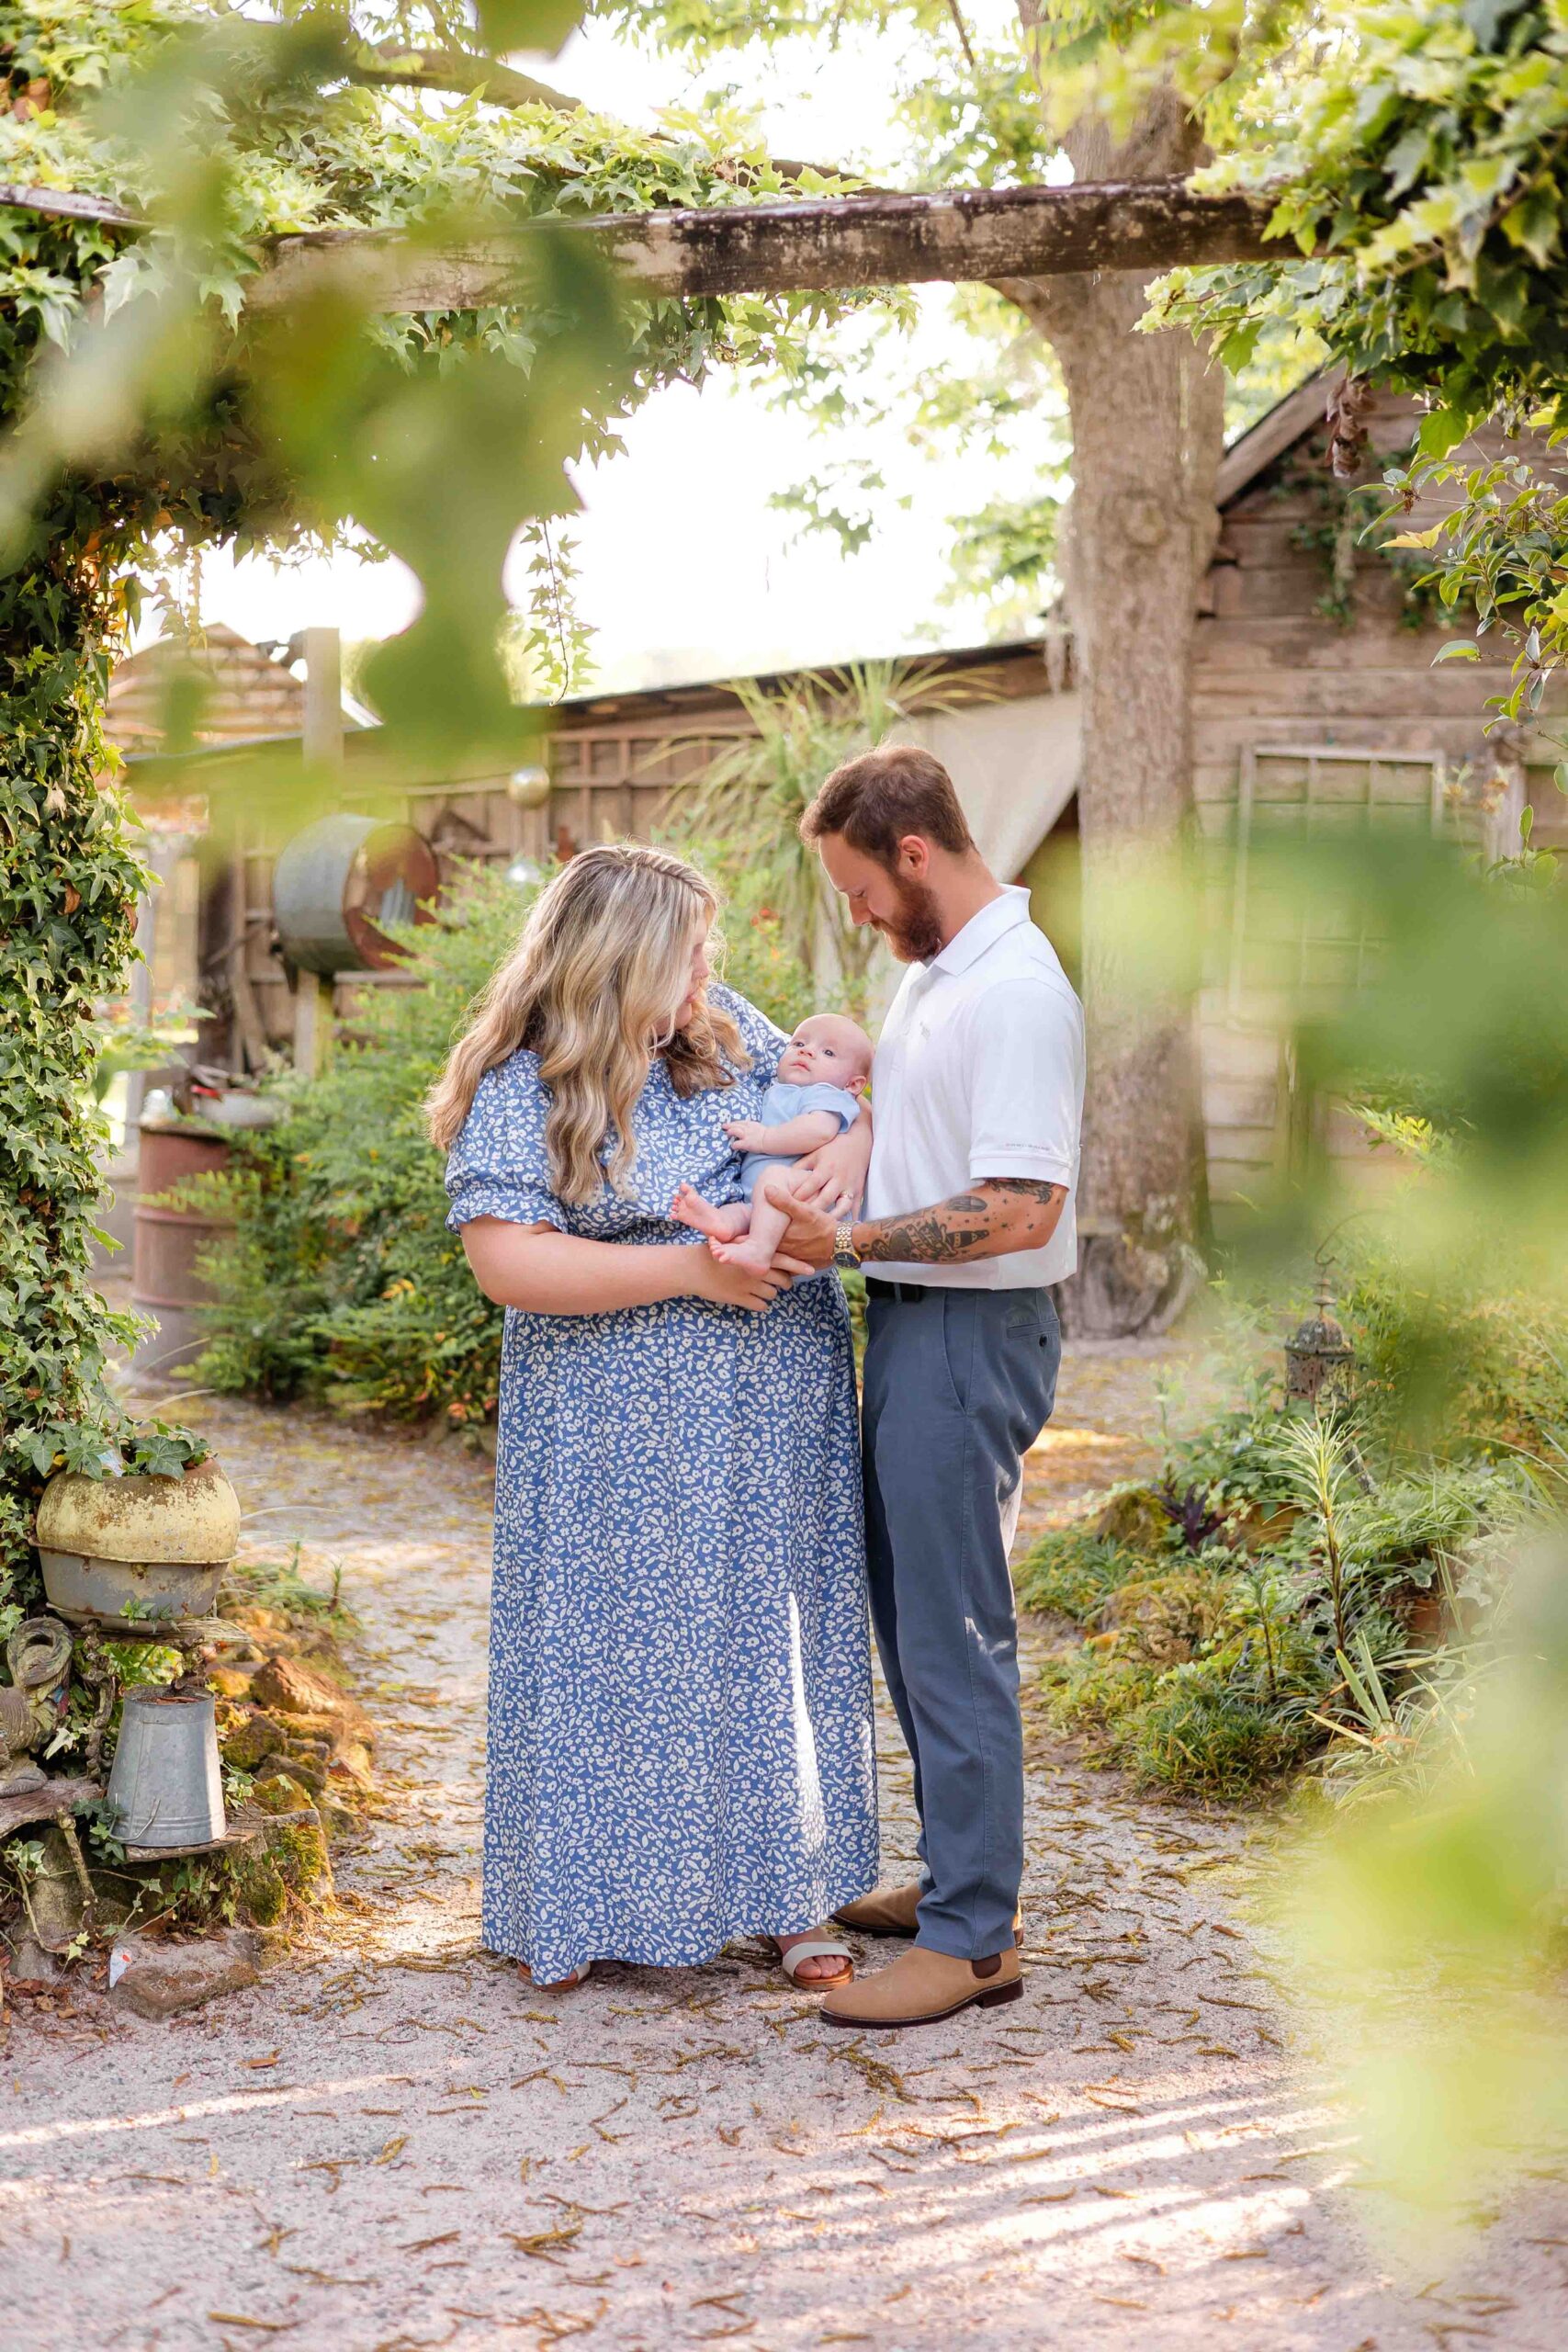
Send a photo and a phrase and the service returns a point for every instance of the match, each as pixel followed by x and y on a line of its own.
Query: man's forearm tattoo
pixel 965 1225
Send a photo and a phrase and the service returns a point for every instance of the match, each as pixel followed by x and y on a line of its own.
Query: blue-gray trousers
pixel 958 1385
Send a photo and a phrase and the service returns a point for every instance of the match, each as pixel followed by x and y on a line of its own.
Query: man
pixel 977 1097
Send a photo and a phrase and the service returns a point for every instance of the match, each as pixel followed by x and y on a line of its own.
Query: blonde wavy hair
pixel 593 988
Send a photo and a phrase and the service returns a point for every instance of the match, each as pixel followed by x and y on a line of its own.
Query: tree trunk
pixel 1147 418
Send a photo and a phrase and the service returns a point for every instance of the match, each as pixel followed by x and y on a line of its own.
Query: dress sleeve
pixel 762 1039
pixel 497 1166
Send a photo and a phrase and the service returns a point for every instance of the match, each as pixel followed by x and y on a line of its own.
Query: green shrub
pixel 1233 1458
pixel 1471 1370
pixel 1096 1693
pixel 1201 1735
pixel 1072 1571
pixel 1221 1602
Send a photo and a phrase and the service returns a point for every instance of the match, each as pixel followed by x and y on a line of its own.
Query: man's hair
pixel 874 800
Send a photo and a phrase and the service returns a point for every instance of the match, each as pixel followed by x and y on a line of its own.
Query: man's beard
pixel 914 933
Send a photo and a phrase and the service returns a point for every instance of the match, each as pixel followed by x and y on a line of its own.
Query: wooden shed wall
pixel 1272 670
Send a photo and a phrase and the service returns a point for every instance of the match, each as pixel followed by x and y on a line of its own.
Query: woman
pixel 680 1708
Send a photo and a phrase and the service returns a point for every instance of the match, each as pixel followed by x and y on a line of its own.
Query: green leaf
pixel 1443 430
pixel 527 23
pixel 1534 224
pixel 1459 649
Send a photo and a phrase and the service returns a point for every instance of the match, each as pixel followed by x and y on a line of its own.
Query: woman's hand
pixel 832 1178
pixel 753 1287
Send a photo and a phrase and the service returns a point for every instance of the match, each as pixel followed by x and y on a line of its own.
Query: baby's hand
pixel 746 1135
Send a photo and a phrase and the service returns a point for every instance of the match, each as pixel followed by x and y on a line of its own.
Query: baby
pixel 813 1096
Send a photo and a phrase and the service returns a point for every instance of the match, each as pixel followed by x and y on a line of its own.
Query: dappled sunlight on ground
pixel 393 2143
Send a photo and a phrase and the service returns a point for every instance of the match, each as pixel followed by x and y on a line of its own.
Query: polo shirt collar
pixel 983 931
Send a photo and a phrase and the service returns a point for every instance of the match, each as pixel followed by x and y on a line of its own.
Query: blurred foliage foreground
pixel 1378 1591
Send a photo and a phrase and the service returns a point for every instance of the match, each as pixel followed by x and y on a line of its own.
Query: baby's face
pixel 827 1050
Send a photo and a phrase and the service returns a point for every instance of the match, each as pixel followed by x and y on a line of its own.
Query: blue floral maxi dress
pixel 680 1744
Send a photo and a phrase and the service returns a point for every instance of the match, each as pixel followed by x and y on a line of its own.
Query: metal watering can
pixel 165 1789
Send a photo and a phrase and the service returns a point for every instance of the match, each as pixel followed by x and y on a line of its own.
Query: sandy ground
pixel 392 2144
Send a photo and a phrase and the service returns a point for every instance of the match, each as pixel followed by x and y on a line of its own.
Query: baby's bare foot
pixel 744 1253
pixel 688 1207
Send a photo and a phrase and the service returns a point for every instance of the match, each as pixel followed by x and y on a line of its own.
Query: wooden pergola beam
pixel 811 245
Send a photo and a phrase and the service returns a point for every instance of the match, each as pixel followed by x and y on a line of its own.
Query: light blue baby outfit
pixel 780 1104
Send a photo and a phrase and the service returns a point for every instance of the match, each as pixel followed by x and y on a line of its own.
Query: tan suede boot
pixel 889 1911
pixel 892 1911
pixel 922 1987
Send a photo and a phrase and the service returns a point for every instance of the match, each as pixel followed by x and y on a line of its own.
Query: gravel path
pixel 392 2144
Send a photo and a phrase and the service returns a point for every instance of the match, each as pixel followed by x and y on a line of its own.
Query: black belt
pixel 910 1292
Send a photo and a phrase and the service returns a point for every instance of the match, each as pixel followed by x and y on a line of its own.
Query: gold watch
pixel 844 1250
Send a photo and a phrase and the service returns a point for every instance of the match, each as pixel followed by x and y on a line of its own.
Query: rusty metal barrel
pixel 339 880
pixel 168 1241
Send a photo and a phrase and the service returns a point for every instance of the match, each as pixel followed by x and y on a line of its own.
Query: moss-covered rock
pixel 1133 1516
pixel 288 1687
pixel 1168 1618
pixel 231 1682
pixel 248 1737
pixel 278 1790
pixel 298 1850
pixel 256 1620
pixel 261 1894
pixel 350 1764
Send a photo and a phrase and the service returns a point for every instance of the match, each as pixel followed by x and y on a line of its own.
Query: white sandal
pixel 815 1947
pixel 580 1976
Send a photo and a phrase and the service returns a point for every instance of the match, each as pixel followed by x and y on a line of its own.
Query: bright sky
pixel 684 570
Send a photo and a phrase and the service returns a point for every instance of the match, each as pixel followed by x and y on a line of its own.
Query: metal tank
pixel 339 880
pixel 167 1241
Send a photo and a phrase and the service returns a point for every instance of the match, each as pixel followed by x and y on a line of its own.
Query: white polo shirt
pixel 980 1071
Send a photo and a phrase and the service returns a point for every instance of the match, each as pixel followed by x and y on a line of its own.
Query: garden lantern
pixel 1318 1356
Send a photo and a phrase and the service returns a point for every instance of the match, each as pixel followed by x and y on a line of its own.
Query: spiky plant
pixel 754 795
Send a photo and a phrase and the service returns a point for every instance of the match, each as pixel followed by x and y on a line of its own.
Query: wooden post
pixel 1511 784
pixel 247 1045
pixel 323 750
pixel 308 1025
pixel 323 699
